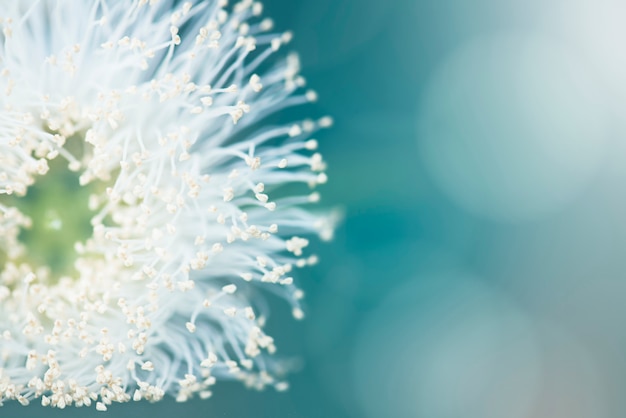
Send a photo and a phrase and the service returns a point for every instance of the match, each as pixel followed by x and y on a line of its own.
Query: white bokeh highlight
pixel 596 29
pixel 512 128
pixel 447 346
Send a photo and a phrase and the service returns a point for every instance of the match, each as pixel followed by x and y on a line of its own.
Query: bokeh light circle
pixel 595 28
pixel 512 128
pixel 446 346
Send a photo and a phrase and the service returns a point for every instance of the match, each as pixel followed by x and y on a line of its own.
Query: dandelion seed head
pixel 143 206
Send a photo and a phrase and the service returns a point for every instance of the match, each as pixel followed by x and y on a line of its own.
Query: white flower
pixel 146 198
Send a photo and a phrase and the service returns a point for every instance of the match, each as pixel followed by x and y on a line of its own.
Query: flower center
pixel 58 209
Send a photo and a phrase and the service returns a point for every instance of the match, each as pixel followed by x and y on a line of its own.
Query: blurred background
pixel 480 270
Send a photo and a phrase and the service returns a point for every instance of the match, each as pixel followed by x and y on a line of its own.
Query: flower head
pixel 145 199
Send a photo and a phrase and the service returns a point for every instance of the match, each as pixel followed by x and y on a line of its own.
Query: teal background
pixel 479 270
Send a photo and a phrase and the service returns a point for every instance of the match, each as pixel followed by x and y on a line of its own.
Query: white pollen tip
pixel 298 313
pixel 266 24
pixel 281 386
pixel 255 83
pixel 311 96
pixel 287 37
pixel 311 144
pixel 295 130
pixel 249 313
pixel 326 122
pixel 229 289
pixel 314 197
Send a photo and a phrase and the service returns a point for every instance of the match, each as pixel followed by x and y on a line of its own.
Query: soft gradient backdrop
pixel 480 270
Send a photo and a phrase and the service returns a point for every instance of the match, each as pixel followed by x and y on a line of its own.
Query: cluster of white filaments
pixel 197 199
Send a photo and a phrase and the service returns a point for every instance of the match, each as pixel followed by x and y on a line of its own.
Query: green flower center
pixel 58 207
